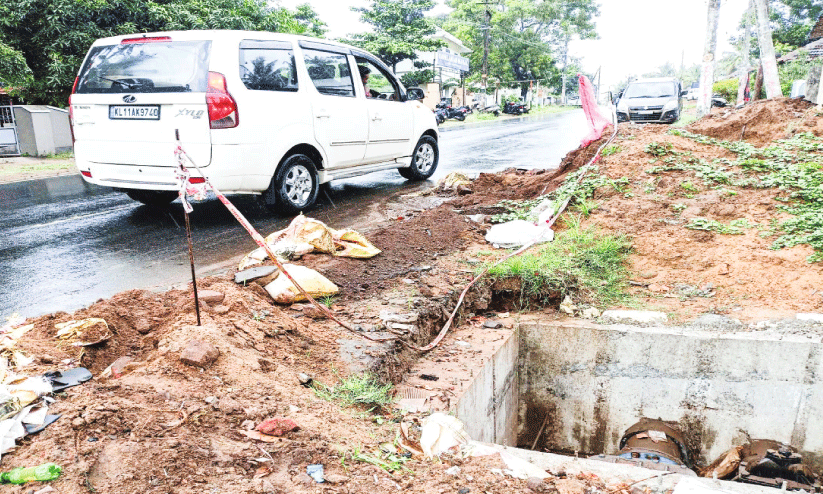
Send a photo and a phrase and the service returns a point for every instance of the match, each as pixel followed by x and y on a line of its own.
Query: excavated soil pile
pixel 157 424
pixel 761 122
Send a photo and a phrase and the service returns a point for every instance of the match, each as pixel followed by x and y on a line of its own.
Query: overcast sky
pixel 636 36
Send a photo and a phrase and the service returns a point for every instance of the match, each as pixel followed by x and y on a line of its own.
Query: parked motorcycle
pixel 439 115
pixel 515 108
pixel 450 112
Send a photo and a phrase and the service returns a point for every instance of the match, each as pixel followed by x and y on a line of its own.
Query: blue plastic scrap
pixel 316 472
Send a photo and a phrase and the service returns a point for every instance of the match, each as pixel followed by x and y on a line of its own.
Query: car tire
pixel 153 198
pixel 294 187
pixel 424 160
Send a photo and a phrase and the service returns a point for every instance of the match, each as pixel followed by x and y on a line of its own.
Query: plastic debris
pixel 61 380
pixel 10 333
pixel 517 233
pixel 568 306
pixel 283 291
pixel 316 472
pixel 85 332
pixel 453 180
pixel 305 235
pixel 21 475
pixel 441 433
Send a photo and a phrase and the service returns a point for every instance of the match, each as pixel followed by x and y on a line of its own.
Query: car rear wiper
pixel 129 85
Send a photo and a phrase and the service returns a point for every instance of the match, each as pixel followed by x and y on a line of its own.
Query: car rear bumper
pixel 228 171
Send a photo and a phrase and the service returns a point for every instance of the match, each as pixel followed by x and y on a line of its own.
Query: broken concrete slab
pixel 388 316
pixel 210 296
pixel 639 317
pixel 809 317
pixel 199 354
pixel 716 321
pixel 251 274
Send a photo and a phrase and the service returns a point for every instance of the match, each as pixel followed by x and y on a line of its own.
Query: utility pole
pixel 486 29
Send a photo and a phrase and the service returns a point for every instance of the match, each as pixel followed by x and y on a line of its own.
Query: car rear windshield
pixel 650 90
pixel 159 67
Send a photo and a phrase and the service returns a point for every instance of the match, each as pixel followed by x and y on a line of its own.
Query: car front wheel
pixel 424 160
pixel 294 187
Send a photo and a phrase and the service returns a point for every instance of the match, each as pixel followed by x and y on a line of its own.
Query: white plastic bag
pixel 517 233
pixel 283 291
pixel 441 432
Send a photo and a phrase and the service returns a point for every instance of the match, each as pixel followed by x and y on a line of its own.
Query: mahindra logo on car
pixel 129 98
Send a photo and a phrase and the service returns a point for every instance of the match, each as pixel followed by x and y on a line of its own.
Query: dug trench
pixel 158 424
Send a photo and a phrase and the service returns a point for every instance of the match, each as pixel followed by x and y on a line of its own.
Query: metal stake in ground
pixel 191 262
pixel 188 234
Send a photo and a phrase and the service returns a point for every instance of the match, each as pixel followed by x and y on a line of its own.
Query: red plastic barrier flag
pixel 597 122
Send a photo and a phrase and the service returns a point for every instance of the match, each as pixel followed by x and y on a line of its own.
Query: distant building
pixel 813 47
pixel 442 74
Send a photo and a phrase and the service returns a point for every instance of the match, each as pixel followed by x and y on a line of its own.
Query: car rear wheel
pixel 153 198
pixel 294 187
pixel 424 160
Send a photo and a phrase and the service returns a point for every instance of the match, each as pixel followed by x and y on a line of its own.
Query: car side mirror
pixel 683 93
pixel 415 93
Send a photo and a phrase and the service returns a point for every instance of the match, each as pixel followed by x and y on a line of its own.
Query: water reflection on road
pixel 65 243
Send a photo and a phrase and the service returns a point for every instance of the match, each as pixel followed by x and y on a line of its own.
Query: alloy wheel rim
pixel 298 185
pixel 424 158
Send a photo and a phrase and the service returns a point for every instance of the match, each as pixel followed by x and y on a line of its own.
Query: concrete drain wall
pixel 595 381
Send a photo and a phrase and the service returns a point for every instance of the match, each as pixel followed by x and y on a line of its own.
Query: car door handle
pixel 323 114
pixel 376 117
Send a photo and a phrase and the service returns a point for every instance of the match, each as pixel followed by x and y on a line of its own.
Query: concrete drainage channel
pixel 574 387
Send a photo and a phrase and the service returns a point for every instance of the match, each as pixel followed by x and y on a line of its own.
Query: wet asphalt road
pixel 65 244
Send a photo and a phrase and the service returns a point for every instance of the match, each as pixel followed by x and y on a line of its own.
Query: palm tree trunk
pixel 767 57
pixel 704 105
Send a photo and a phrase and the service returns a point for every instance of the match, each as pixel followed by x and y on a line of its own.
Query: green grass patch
pixel 39 167
pixel 611 149
pixel 388 461
pixel 791 166
pixel 357 390
pixel 582 262
pixel 580 191
pixel 734 227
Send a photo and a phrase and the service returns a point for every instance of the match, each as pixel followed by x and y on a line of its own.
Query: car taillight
pixel 221 105
pixel 85 173
pixel 197 180
pixel 71 111
pixel 145 39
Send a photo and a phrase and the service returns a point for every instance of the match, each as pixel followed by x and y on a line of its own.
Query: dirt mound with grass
pixel 760 122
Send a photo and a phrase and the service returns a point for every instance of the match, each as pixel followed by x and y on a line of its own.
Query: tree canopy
pixel 400 30
pixel 528 37
pixel 48 39
pixel 793 19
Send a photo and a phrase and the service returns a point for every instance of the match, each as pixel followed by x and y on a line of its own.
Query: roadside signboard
pixel 451 61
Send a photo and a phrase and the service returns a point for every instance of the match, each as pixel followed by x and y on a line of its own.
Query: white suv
pixel 260 113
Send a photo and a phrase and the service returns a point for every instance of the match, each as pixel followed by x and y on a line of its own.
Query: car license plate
pixel 133 112
pixel 645 112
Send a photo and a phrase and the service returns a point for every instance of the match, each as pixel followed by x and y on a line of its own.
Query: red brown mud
pixel 168 427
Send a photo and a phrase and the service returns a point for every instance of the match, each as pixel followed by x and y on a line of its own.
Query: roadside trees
pixel 53 36
pixel 400 32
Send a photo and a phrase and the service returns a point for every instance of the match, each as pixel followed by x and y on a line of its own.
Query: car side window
pixel 329 72
pixel 377 83
pixel 268 65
